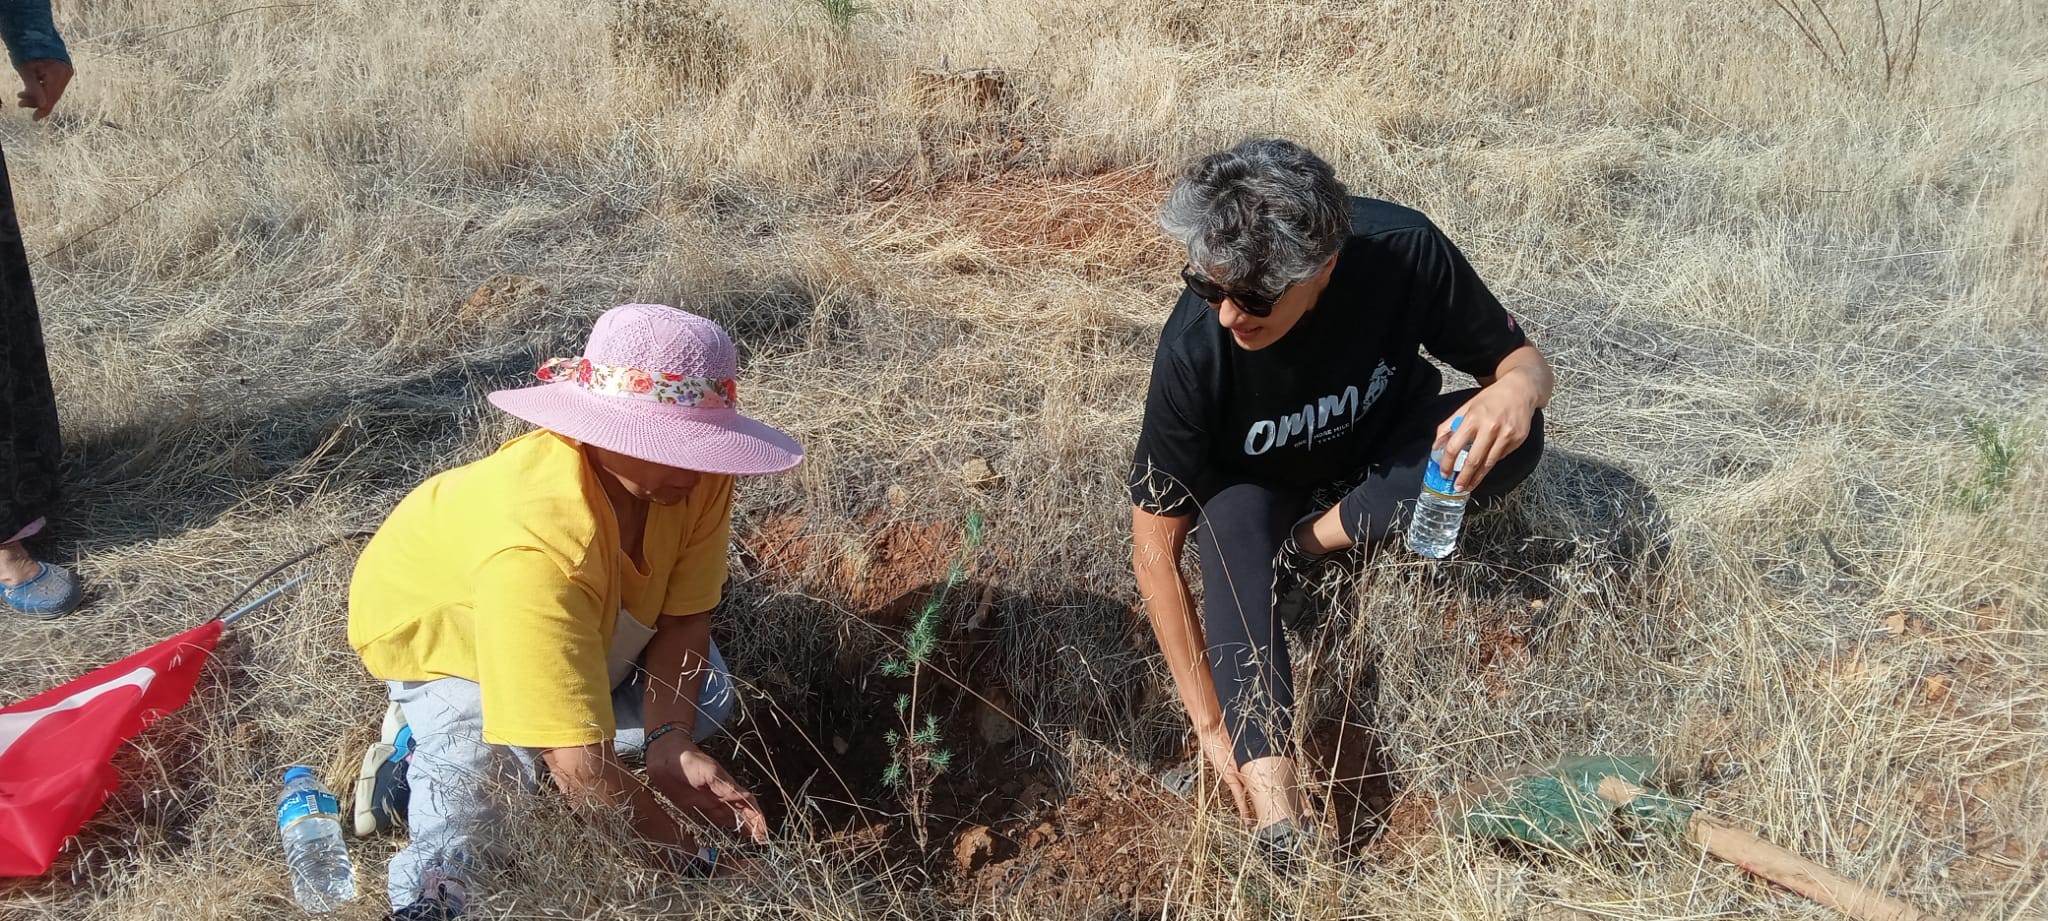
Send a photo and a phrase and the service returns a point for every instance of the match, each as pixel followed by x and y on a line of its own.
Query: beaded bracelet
pixel 661 730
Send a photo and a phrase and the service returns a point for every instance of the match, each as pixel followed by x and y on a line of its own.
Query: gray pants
pixel 459 781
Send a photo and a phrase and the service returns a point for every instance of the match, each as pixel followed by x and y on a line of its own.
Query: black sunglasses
pixel 1255 304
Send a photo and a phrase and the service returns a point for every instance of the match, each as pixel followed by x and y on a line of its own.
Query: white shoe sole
pixel 366 776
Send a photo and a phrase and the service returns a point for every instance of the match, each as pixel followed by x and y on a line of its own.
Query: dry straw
pixel 1790 280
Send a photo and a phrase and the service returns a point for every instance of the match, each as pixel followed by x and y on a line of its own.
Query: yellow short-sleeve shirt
pixel 509 572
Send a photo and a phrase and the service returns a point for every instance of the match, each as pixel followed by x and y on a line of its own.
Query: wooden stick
pixel 1774 863
pixel 1799 874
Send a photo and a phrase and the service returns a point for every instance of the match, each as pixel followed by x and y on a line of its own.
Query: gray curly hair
pixel 1259 217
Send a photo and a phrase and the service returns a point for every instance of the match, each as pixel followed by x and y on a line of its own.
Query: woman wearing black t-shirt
pixel 1288 371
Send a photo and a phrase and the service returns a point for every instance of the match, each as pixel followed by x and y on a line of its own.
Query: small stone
pixel 983 609
pixel 973 848
pixel 1901 623
pixel 978 472
pixel 1935 688
pixel 996 727
pixel 839 744
pixel 1041 836
pixel 897 496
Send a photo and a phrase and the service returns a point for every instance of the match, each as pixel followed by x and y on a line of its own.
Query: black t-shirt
pixel 1307 409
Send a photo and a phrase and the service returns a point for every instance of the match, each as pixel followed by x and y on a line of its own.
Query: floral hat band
pixel 636 384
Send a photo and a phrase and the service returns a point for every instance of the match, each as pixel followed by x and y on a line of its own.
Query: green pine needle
pixel 920 643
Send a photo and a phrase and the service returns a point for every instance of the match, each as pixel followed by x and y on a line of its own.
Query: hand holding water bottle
pixel 1439 510
pixel 1489 427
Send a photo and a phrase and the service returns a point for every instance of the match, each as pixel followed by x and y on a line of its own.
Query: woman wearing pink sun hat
pixel 545 603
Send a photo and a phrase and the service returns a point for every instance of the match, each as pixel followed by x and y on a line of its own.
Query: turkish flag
pixel 56 748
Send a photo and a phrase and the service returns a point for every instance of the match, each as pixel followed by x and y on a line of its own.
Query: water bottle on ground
pixel 309 821
pixel 1440 509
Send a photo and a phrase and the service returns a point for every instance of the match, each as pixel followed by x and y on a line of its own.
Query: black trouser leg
pixel 1380 504
pixel 1241 529
pixel 29 444
pixel 1240 533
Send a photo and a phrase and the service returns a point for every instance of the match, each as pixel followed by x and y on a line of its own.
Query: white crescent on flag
pixel 57 748
pixel 15 725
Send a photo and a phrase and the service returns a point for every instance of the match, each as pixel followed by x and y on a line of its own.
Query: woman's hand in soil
pixel 696 782
pixel 1222 758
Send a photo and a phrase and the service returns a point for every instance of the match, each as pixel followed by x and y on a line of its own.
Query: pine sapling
pixel 916 752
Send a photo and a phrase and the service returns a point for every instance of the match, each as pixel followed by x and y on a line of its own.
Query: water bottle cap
pixel 297 771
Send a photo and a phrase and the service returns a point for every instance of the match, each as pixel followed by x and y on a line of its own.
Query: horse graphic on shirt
pixel 1312 423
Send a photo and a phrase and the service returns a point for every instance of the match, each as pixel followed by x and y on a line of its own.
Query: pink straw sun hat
pixel 655 383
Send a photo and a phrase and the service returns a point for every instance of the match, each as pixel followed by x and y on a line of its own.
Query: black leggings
pixel 1240 531
pixel 30 447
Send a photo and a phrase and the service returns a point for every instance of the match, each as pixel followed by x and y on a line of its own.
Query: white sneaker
pixel 381 787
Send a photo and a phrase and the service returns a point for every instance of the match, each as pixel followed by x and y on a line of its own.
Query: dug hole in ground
pixel 1787 539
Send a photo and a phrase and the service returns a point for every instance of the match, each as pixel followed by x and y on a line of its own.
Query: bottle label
pixel 306 804
pixel 1443 487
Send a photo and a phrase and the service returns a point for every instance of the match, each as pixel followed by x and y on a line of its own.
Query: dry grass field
pixel 1789 259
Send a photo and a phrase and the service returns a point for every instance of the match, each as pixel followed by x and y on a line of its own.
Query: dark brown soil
pixel 1349 771
pixel 1009 821
pixel 1101 852
pixel 1504 634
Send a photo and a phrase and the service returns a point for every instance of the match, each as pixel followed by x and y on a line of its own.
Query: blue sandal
pixel 52 593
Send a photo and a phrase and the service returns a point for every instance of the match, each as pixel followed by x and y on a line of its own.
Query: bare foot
pixel 16 565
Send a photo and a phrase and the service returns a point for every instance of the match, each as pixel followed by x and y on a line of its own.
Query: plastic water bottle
pixel 309 821
pixel 1440 509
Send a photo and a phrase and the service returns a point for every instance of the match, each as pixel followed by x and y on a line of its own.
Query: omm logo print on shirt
pixel 1312 423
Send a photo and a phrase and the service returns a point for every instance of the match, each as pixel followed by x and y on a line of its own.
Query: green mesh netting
pixel 1561 808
